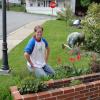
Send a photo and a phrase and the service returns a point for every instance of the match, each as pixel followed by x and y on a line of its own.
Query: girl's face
pixel 39 33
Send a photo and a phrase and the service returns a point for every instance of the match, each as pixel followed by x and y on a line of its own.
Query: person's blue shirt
pixel 31 44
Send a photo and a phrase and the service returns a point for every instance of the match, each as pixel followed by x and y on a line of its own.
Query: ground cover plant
pixel 55 31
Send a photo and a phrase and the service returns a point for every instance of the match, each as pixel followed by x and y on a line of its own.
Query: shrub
pixel 95 63
pixel 92 27
pixel 31 85
pixel 85 3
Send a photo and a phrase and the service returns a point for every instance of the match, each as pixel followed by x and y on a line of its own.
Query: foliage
pixel 85 3
pixel 31 85
pixel 53 30
pixel 16 7
pixel 65 14
pixel 95 63
pixel 65 71
pixel 75 82
pixel 92 27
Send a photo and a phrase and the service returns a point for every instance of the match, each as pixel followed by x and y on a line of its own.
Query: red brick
pixel 70 98
pixel 15 93
pixel 84 91
pixel 57 92
pixel 68 90
pixel 70 94
pixel 80 87
pixel 51 98
pixel 50 83
pixel 56 82
pixel 96 98
pixel 83 98
pixel 66 81
pixel 17 96
pixel 97 83
pixel 89 85
pixel 44 94
pixel 94 89
pixel 94 95
pixel 79 96
pixel 30 96
pixel 89 94
pixel 61 97
pixel 76 93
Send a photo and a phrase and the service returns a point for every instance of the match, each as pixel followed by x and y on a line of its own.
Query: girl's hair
pixel 38 27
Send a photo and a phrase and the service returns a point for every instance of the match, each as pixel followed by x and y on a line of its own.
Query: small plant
pixel 31 85
pixel 75 82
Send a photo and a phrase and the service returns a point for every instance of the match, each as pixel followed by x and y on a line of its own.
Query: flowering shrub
pixel 63 71
pixel 92 27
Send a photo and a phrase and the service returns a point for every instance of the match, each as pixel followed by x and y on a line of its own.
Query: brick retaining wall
pixel 89 90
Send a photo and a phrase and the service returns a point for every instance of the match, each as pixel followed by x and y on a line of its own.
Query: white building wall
pixel 72 4
pixel 42 10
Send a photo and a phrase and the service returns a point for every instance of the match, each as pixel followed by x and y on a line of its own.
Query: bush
pixel 85 3
pixel 95 65
pixel 31 85
pixel 92 27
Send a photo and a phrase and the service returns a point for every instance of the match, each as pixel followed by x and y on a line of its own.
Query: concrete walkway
pixel 19 35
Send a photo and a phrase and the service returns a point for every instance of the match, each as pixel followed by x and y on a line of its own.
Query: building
pixel 42 6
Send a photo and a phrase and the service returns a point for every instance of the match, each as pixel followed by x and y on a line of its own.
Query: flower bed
pixel 89 90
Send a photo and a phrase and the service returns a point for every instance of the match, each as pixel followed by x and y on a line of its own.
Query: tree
pixel 85 3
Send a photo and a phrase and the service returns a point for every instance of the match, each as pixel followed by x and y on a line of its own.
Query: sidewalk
pixel 20 34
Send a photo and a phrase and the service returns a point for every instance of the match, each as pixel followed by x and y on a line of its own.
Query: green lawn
pixel 55 32
pixel 15 7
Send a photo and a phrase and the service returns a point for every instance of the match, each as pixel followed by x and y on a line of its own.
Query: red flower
pixel 78 56
pixel 72 60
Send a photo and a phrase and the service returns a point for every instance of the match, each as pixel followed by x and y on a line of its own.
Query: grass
pixel 16 7
pixel 55 31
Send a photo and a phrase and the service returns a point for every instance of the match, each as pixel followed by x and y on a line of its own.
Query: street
pixel 17 19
